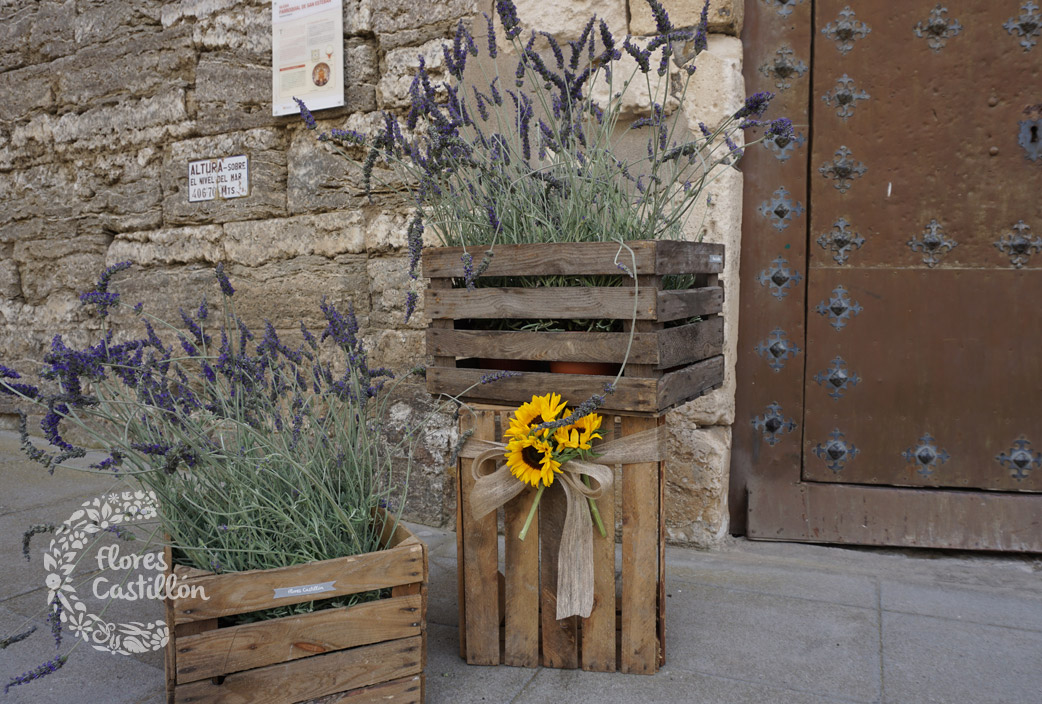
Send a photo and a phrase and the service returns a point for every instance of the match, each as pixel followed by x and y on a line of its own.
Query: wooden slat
pixel 598 631
pixel 254 590
pixel 661 557
pixel 557 258
pixel 521 624
pixel 677 305
pixel 640 528
pixel 553 302
pixel 480 559
pixel 461 592
pixel 543 346
pixel 631 394
pixel 559 638
pixel 685 344
pixel 439 324
pixel 313 677
pixel 690 381
pixel 253 645
pixel 673 257
pixel 420 590
pixel 405 690
pixel 169 653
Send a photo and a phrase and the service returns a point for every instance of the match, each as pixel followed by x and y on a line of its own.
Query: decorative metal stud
pixel 780 209
pixel 779 277
pixel 836 452
pixel 783 68
pixel 784 6
pixel 937 28
pixel 842 169
pixel 934 243
pixel 841 241
pixel 1027 26
pixel 845 96
pixel 837 378
pixel 839 308
pixel 1030 138
pixel 926 455
pixel 776 349
pixel 1019 459
pixel 1018 244
pixel 846 30
pixel 783 147
pixel 773 424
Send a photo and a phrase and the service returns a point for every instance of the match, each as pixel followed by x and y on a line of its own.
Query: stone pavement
pixel 769 623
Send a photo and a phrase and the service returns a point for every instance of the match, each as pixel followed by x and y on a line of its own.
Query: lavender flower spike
pixel 222 279
pixel 508 16
pixel 49 667
pixel 309 119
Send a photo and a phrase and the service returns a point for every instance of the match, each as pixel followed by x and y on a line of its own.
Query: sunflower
pixel 531 460
pixel 541 409
pixel 580 434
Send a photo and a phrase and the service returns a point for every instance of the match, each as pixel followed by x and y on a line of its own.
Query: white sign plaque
pixel 307 54
pixel 213 179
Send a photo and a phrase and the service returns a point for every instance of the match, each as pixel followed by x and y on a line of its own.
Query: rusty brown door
pixel 890 372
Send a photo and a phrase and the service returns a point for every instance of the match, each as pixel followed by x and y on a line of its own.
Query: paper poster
pixel 307 54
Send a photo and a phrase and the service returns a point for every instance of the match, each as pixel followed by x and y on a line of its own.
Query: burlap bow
pixel 494 488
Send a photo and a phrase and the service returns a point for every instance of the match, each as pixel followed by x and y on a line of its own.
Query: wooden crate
pixel 364 653
pixel 509 617
pixel 667 366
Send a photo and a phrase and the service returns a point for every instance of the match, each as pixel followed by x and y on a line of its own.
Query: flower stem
pixel 595 512
pixel 531 513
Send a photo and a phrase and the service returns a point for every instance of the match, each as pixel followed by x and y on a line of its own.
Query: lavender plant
pixel 260 454
pixel 543 154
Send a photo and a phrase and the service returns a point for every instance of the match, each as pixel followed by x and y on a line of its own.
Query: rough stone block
pixel 256 242
pixel 396 22
pixel 15 24
pixel 400 67
pixel 267 167
pixel 398 350
pixel 717 88
pixel 388 285
pixel 232 95
pixel 25 90
pixel 362 65
pixel 52 265
pixel 129 123
pixel 100 21
pixel 183 245
pixel 230 27
pixel 10 283
pixel 725 16
pixel 53 31
pixel 358 17
pixel 697 471
pixel 566 20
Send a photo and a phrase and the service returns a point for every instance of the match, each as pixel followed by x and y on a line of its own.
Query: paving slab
pixel 452 681
pixel 971 605
pixel 775 640
pixel 929 660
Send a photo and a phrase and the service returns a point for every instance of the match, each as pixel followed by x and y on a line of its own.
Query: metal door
pixel 890 375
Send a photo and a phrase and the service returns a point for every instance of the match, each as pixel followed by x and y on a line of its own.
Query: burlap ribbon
pixel 494 488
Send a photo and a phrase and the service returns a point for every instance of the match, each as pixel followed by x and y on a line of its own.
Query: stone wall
pixel 103 103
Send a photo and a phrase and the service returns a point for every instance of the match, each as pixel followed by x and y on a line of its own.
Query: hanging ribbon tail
pixel 575 558
pixel 494 488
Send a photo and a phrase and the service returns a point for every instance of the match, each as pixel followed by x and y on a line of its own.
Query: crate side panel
pixel 543 346
pixel 549 302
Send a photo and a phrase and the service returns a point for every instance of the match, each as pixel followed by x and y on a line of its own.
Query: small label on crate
pixel 304 590
pixel 716 259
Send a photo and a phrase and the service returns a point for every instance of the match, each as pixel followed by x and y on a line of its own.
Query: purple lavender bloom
pixel 781 128
pixel 497 97
pixel 343 136
pixel 662 23
pixel 641 56
pixel 555 48
pixel 309 119
pixel 702 33
pixel 491 36
pixel 580 43
pixel 508 16
pixel 755 105
pixel 414 236
pixel 410 304
pixel 203 310
pixel 49 667
pixel 706 132
pixel 468 269
pixel 138 307
pixel 222 279
pixel 493 377
pixel 54 618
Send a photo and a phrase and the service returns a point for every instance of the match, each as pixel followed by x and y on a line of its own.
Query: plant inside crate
pixel 535 145
pixel 254 455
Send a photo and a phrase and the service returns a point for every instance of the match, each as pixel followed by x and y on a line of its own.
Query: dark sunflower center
pixel 532 457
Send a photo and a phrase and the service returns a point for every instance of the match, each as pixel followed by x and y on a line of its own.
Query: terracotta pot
pixel 510 365
pixel 593 368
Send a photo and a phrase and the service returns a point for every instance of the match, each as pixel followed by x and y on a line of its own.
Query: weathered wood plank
pixel 480 559
pixel 521 627
pixel 406 690
pixel 672 257
pixel 677 305
pixel 640 529
pixel 551 259
pixel 631 393
pixel 690 381
pixel 598 631
pixel 312 677
pixel 544 346
pixel 689 343
pixel 560 638
pixel 461 592
pixel 552 302
pixel 253 645
pixel 661 631
pixel 243 592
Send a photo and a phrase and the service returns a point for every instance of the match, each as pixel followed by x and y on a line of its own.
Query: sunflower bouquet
pixel 535 453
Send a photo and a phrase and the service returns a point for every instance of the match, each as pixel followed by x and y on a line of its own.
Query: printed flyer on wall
pixel 307 54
